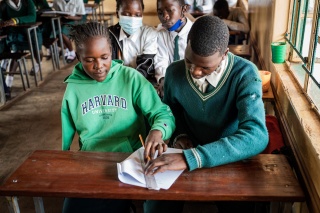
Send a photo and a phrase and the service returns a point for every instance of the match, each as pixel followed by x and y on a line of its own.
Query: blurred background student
pixel 132 41
pixel 77 10
pixel 234 18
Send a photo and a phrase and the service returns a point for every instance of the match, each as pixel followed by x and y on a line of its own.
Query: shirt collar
pixel 134 37
pixel 184 30
pixel 215 76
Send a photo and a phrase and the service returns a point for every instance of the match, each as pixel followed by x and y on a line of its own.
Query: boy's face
pixel 130 8
pixel 95 56
pixel 201 66
pixel 169 12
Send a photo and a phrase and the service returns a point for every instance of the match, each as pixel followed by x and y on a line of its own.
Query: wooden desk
pixel 241 50
pixel 93 8
pixel 94 175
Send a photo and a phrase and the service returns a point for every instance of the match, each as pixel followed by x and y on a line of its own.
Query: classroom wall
pixel 268 20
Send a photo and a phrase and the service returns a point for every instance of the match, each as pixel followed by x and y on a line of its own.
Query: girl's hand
pixel 154 142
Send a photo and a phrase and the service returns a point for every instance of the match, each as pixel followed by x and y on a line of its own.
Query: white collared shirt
pixel 76 7
pixel 143 41
pixel 14 6
pixel 166 47
pixel 213 78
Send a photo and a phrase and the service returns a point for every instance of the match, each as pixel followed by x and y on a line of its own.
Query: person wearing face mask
pixel 132 41
pixel 172 36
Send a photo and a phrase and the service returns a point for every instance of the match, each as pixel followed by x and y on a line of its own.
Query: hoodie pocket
pixel 120 144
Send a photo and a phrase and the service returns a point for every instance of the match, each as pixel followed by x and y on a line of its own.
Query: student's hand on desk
pixel 165 162
pixel 7 23
pixel 154 142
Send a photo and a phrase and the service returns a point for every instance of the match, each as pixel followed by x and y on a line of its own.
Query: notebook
pixel 131 171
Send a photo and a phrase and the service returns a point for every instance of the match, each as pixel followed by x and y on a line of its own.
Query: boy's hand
pixel 154 142
pixel 165 162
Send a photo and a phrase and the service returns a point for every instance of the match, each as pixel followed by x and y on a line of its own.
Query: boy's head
pixel 130 13
pixel 171 13
pixel 221 9
pixel 93 48
pixel 207 45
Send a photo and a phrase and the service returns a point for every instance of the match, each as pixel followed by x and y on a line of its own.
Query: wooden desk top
pixel 94 175
pixel 268 96
pixel 27 25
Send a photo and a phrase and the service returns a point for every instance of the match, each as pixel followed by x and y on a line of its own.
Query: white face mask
pixel 130 24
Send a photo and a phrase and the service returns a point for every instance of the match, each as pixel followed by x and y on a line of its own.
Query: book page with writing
pixel 130 171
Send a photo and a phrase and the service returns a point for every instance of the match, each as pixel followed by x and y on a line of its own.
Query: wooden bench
pixel 265 177
pixel 243 50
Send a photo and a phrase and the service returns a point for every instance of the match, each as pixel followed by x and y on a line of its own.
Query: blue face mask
pixel 130 24
pixel 176 25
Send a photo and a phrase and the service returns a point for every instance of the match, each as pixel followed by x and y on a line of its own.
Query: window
pixel 303 38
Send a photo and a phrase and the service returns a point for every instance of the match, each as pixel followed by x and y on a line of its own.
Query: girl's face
pixel 130 8
pixel 95 56
pixel 169 12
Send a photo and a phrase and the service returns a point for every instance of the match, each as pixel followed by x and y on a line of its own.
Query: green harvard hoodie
pixel 109 115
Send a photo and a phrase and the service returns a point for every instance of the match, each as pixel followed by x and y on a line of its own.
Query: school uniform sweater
pixel 226 124
pixel 25 13
pixel 109 115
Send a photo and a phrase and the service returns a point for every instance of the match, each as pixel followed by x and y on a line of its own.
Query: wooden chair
pixel 20 57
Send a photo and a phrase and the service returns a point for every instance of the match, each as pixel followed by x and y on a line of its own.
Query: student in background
pixel 234 18
pixel 200 5
pixel 132 41
pixel 172 36
pixel 216 98
pixel 76 8
pixel 231 3
pixel 5 88
pixel 13 12
pixel 106 104
pixel 45 28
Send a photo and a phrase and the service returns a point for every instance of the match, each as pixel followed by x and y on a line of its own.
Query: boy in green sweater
pixel 107 104
pixel 216 98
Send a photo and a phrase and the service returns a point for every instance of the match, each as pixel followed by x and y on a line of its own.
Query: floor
pixel 31 121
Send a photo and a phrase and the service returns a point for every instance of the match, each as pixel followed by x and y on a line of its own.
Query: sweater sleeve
pixel 251 137
pixel 31 15
pixel 68 127
pixel 157 113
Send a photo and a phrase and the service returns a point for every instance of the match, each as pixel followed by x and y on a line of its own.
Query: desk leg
pixel 13 204
pixel 2 92
pixel 38 204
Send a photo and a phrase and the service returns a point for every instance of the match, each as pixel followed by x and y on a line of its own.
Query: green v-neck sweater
pixel 226 124
pixel 109 115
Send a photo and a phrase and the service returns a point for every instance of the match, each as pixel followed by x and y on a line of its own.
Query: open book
pixel 131 171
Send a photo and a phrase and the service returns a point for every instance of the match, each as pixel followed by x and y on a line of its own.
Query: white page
pixel 130 171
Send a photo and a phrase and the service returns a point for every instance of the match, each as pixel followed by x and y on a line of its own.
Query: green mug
pixel 278 50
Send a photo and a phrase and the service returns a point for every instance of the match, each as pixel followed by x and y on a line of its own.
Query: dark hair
pixel 208 35
pixel 81 32
pixel 119 3
pixel 221 5
pixel 181 2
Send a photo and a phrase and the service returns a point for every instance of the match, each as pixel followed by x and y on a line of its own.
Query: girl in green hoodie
pixel 107 104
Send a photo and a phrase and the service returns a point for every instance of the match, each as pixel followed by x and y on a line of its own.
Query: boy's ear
pixel 117 12
pixel 225 53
